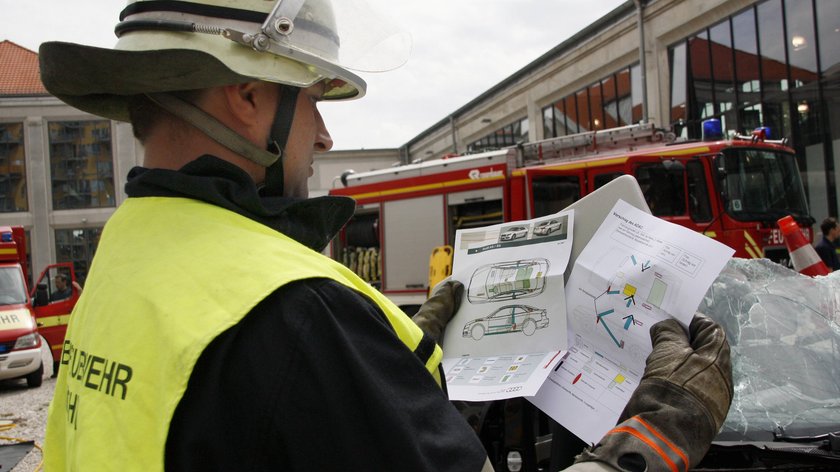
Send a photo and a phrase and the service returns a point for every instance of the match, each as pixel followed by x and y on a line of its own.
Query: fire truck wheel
pixel 35 379
pixel 529 326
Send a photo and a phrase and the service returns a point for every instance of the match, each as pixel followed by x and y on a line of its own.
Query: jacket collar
pixel 312 222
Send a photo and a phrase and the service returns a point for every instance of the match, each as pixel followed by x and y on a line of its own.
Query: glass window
pixel 12 169
pixel 49 286
pixel 524 131
pixel 503 137
pixel 636 78
pixel 771 32
pixel 77 246
pixel 603 179
pixel 596 106
pixel 774 84
pixel 625 98
pixel 761 184
pixel 12 286
pixel 610 102
pixel 81 164
pixel 553 193
pixel 560 119
pixel 663 185
pixel 801 41
pixel 699 207
pixel 828 26
pixel 584 116
pixel 607 103
pixel 720 48
pixel 677 61
pixel 701 74
pixel 549 131
pixel 572 124
pixel 747 71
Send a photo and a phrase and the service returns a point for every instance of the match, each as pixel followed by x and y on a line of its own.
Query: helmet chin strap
pixel 210 126
pixel 278 138
pixel 271 157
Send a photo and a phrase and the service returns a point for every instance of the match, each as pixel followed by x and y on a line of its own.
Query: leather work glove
pixel 435 312
pixel 679 405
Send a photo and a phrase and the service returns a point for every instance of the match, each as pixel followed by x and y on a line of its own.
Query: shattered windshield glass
pixel 783 331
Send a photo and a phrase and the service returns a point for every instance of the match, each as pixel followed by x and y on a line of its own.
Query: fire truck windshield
pixel 12 290
pixel 761 185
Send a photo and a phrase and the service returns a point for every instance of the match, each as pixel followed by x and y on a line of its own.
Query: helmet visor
pixel 346 33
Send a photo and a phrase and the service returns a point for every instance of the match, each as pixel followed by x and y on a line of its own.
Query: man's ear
pixel 251 107
pixel 243 100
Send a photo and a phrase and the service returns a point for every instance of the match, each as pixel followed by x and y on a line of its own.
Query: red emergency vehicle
pixel 733 190
pixel 27 316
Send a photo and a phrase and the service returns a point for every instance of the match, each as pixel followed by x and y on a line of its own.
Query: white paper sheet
pixel 510 330
pixel 635 271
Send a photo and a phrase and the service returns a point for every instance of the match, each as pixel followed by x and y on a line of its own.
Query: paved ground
pixel 26 408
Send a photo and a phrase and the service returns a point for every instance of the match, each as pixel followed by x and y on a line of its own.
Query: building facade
pixel 62 171
pixel 748 63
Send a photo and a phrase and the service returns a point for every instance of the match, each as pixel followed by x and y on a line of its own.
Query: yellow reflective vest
pixel 170 275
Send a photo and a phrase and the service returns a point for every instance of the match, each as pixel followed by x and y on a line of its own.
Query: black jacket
pixel 314 378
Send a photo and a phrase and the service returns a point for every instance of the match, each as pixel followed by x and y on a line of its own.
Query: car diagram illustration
pixel 507 319
pixel 513 232
pixel 507 280
pixel 544 228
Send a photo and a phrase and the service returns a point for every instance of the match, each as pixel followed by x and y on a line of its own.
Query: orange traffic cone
pixel 804 257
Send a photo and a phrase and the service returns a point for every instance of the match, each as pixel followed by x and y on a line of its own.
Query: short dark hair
pixel 62 277
pixel 827 225
pixel 144 113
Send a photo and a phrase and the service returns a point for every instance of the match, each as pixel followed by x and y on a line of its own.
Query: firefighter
pixel 213 334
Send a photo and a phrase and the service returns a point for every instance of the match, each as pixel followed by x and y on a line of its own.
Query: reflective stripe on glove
pixel 679 405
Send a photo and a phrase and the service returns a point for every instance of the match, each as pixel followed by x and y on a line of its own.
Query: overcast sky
pixel 461 48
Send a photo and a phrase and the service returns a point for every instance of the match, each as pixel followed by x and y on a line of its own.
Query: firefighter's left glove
pixel 680 403
pixel 439 308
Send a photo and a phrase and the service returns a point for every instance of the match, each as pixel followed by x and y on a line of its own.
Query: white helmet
pixel 172 45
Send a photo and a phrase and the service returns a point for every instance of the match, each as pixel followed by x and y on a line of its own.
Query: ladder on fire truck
pixel 575 146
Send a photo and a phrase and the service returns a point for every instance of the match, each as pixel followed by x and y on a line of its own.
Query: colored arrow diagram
pixel 628 321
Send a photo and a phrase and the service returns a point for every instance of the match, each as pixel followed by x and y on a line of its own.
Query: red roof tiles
pixel 19 73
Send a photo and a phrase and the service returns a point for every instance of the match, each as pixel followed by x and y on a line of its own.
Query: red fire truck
pixel 26 317
pixel 733 190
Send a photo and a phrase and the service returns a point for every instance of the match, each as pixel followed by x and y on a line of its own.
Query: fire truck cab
pixel 27 317
pixel 733 190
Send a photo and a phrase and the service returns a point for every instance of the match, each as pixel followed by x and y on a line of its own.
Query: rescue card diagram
pixel 511 327
pixel 578 345
pixel 635 271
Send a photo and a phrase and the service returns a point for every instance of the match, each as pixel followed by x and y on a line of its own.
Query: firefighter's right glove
pixel 679 405
pixel 435 312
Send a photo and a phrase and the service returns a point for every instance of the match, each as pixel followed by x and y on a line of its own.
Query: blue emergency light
pixel 712 129
pixel 763 131
pixel 6 237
